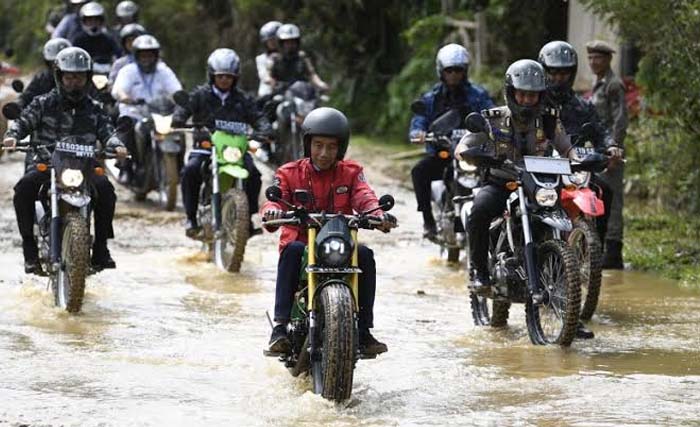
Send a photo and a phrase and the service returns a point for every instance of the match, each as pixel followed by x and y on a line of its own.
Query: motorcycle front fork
pixel 533 279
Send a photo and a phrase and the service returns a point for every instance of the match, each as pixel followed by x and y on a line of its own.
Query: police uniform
pixel 510 140
pixel 608 97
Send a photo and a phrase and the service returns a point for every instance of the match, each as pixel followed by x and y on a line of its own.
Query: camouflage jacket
pixel 49 118
pixel 512 140
pixel 608 96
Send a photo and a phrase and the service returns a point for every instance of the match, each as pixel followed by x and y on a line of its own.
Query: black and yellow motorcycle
pixel 323 327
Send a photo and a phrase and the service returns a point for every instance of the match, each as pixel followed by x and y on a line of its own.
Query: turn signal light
pixel 511 185
pixel 42 167
pixel 99 171
pixel 205 144
pixel 444 155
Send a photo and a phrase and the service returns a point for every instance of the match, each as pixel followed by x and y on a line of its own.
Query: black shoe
pixel 192 230
pixel 612 260
pixel 33 267
pixel 481 283
pixel 102 259
pixel 279 343
pixel 369 345
pixel 583 333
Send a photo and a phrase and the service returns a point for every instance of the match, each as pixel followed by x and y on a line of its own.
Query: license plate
pixel 547 165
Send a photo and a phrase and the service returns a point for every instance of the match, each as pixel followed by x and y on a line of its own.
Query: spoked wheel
pixel 332 370
pixel 554 320
pixel 229 244
pixel 585 243
pixel 487 312
pixel 169 182
pixel 69 280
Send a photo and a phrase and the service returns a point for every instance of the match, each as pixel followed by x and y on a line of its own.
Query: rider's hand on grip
pixel 273 214
pixel 388 222
pixel 418 138
pixel 121 153
pixel 9 143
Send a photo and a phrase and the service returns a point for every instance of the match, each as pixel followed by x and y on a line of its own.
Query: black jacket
pixel 574 112
pixel 42 82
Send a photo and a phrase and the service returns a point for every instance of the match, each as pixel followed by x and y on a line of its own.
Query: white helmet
pixel 451 55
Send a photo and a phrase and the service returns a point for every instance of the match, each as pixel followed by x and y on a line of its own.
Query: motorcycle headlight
pixel 232 154
pixel 163 124
pixel 466 166
pixel 579 178
pixel 334 251
pixel 72 177
pixel 546 197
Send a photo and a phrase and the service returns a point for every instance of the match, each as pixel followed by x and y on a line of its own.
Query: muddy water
pixel 168 340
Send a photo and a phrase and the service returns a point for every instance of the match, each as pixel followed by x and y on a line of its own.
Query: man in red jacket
pixel 334 186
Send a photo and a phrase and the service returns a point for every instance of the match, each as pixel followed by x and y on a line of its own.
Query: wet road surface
pixel 167 339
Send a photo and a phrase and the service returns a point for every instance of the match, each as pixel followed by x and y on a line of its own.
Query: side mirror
pixel 386 202
pixel 9 52
pixel 11 111
pixel 181 98
pixel 273 193
pixel 18 85
pixel 476 123
pixel 301 196
pixel 418 107
pixel 124 124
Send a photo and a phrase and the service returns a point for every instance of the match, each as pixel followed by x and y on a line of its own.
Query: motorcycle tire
pixel 229 246
pixel 170 181
pixel 585 243
pixel 489 312
pixel 554 320
pixel 332 373
pixel 453 255
pixel 69 281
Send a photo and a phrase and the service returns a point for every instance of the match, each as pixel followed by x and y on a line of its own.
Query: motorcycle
pixel 323 327
pixel 528 260
pixel 63 214
pixel 101 93
pixel 452 196
pixel 159 152
pixel 223 204
pixel 299 99
pixel 583 206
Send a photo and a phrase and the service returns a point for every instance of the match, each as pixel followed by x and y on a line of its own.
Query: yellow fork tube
pixel 354 279
pixel 311 277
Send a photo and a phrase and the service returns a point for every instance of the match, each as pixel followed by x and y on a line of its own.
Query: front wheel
pixel 230 241
pixel 332 371
pixel 169 181
pixel 69 281
pixel 585 243
pixel 554 320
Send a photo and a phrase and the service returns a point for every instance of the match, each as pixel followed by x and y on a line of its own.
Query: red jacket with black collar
pixel 341 189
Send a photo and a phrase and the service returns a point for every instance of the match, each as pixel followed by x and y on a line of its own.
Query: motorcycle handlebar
pixel 367 222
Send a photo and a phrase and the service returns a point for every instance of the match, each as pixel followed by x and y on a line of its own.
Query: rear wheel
pixel 69 281
pixel 332 372
pixel 229 244
pixel 554 320
pixel 489 312
pixel 585 244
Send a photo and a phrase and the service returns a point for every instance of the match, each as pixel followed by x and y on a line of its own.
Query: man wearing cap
pixel 608 96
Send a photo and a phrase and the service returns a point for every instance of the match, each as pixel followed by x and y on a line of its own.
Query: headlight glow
pixel 72 177
pixel 546 197
pixel 232 154
pixel 335 252
pixel 466 166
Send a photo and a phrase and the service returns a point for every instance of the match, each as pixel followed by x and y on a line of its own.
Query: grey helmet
pixel 326 121
pixel 144 43
pixel 53 46
pixel 223 61
pixel 130 30
pixel 559 55
pixel 92 10
pixel 529 75
pixel 127 11
pixel 288 32
pixel 269 31
pixel 72 60
pixel 451 55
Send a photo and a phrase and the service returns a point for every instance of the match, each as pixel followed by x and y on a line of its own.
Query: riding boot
pixel 429 226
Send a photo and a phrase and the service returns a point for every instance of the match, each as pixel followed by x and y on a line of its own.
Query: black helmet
pixel 223 61
pixel 524 74
pixel 92 10
pixel 144 43
pixel 72 60
pixel 53 46
pixel 127 11
pixel 130 30
pixel 326 121
pixel 559 55
pixel 269 31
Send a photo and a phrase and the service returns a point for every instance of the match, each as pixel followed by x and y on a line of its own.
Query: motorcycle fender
pixel 437 188
pixel 235 171
pixel 169 146
pixel 586 200
pixel 464 214
pixel 77 200
pixel 558 222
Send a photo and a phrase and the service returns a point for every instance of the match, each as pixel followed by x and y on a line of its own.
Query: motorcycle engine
pixel 508 275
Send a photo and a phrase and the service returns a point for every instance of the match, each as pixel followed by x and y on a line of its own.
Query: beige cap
pixel 599 46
